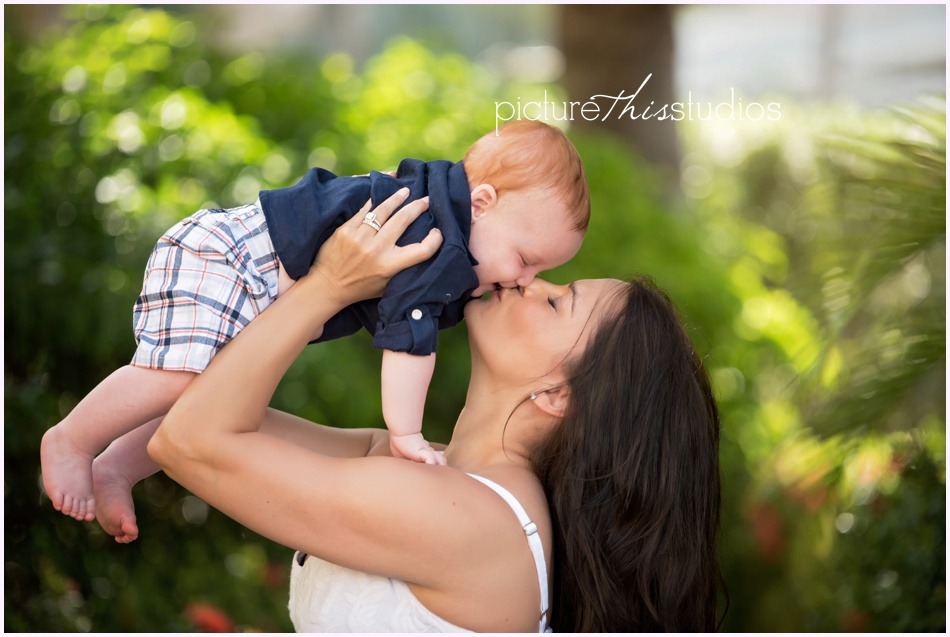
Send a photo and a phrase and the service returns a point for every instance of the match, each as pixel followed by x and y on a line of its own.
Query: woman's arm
pixel 365 513
pixel 329 441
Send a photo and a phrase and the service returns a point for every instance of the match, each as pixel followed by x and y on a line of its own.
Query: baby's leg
pixel 128 398
pixel 114 473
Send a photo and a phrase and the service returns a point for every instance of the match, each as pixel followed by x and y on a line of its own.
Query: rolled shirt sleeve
pixel 414 301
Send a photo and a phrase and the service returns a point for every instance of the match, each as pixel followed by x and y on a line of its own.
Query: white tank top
pixel 328 598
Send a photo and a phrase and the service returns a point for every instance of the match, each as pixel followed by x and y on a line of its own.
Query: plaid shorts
pixel 207 277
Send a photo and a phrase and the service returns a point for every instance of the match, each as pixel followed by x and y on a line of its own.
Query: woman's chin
pixel 471 308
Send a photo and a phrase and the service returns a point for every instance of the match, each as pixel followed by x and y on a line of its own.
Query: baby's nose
pixel 525 280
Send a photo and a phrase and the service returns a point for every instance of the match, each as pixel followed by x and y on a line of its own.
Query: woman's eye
pixel 553 303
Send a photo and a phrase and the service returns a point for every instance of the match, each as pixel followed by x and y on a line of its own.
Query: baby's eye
pixel 553 303
pixel 524 263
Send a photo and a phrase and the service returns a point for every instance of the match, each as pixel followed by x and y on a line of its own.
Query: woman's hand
pixel 357 261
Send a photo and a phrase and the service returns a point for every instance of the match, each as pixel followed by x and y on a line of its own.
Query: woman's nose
pixel 540 286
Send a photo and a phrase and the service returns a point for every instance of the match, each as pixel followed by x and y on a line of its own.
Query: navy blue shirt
pixel 418 301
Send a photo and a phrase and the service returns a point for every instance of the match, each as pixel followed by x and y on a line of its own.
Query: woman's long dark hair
pixel 632 478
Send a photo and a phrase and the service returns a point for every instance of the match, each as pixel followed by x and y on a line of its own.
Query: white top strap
pixel 534 542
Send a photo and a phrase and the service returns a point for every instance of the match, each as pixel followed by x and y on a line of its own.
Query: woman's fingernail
pixel 403 190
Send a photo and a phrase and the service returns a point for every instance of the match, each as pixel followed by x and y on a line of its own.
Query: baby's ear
pixel 484 197
pixel 553 401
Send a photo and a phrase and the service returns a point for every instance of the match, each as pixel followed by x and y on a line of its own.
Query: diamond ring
pixel 372 221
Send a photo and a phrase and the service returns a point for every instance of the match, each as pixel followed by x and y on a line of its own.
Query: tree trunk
pixel 611 49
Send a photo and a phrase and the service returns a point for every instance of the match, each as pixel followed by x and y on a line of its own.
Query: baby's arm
pixel 405 381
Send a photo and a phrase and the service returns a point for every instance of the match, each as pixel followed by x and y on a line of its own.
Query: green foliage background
pixel 807 257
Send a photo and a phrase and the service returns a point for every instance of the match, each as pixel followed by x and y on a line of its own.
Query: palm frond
pixel 880 221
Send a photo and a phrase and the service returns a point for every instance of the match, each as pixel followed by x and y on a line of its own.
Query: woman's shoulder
pixel 495 564
pixel 524 485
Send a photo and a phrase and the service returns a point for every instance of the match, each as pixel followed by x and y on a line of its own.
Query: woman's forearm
pixel 233 393
pixel 231 396
pixel 327 441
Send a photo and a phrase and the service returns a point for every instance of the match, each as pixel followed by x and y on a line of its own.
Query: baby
pixel 516 205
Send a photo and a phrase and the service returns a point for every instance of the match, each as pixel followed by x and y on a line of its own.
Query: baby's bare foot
pixel 67 475
pixel 115 510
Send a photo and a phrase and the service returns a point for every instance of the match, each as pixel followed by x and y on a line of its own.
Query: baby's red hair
pixel 526 154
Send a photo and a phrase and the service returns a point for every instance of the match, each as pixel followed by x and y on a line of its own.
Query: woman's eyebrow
pixel 573 289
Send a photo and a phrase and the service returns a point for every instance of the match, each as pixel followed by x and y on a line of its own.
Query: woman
pixel 587 412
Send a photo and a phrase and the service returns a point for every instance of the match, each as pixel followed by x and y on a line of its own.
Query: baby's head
pixel 530 203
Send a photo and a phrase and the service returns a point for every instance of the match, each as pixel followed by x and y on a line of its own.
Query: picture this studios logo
pixel 601 107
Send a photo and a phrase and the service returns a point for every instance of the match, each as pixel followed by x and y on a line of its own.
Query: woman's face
pixel 523 334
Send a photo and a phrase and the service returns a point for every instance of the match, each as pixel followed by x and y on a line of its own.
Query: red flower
pixel 855 620
pixel 769 529
pixel 208 618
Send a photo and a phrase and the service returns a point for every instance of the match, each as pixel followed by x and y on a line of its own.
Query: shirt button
pixel 416 315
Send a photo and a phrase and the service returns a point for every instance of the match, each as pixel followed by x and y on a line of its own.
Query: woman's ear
pixel 553 401
pixel 484 196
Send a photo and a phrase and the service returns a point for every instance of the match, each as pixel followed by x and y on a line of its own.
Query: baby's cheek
pixel 493 272
pixel 480 273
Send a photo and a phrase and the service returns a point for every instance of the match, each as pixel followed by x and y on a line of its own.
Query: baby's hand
pixel 414 447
